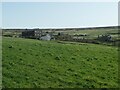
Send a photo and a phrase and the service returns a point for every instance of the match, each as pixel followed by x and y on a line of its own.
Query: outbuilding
pixel 47 37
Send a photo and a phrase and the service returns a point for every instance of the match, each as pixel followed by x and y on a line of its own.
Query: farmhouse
pixel 38 34
pixel 32 34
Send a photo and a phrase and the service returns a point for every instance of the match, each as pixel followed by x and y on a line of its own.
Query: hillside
pixel 31 63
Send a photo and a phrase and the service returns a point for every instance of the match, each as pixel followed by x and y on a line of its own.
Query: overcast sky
pixel 58 14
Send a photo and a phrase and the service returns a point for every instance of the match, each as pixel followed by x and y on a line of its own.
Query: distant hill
pixel 88 28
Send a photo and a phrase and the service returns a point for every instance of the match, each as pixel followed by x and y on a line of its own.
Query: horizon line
pixel 62 27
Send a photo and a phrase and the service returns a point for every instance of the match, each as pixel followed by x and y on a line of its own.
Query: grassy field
pixel 31 63
pixel 92 34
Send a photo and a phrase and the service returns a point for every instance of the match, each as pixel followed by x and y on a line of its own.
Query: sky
pixel 59 14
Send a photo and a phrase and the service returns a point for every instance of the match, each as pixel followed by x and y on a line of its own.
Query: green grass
pixel 31 63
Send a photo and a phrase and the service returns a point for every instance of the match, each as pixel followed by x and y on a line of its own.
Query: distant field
pixel 93 33
pixel 31 63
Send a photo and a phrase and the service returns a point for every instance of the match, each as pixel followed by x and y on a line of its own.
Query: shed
pixel 47 37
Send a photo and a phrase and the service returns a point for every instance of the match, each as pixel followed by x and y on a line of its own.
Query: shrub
pixel 10 46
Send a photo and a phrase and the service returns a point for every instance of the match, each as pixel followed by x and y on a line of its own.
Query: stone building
pixel 32 34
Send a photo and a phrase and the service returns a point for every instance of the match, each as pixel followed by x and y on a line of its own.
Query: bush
pixel 10 46
pixel 104 38
pixel 58 58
